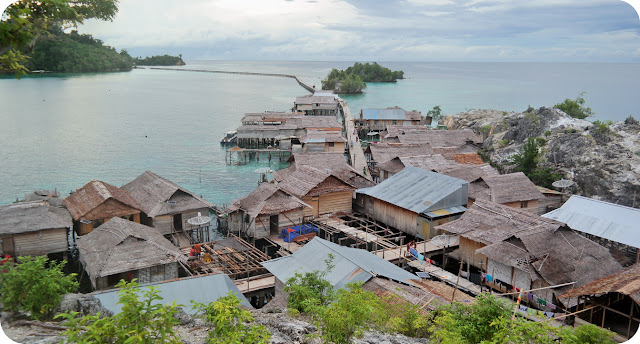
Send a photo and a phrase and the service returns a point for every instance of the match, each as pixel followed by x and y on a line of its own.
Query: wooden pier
pixel 244 155
pixel 356 153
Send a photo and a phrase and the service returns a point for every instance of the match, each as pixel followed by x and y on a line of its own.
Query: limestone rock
pixel 84 304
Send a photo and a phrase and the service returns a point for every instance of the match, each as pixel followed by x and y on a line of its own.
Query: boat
pixel 229 137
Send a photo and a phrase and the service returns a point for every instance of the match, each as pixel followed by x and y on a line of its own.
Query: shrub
pixel 548 133
pixel 602 127
pixel 435 113
pixel 406 318
pixel 586 334
pixel 575 108
pixel 139 321
pixel 35 285
pixel 311 290
pixel 229 322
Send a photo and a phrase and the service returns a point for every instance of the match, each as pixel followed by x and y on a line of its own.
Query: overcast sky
pixel 382 30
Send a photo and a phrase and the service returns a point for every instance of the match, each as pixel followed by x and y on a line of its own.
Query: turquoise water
pixel 61 131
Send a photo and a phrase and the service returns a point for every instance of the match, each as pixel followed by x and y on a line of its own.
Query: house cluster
pixel 430 221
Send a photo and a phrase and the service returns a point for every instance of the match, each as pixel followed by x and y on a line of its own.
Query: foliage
pixel 310 291
pixel 352 311
pixel 575 107
pixel 160 60
pixel 35 285
pixel 404 317
pixel 602 127
pixel 435 113
pixel 140 321
pixel 352 80
pixel 229 322
pixel 548 133
pixel 630 120
pixel 586 334
pixel 527 159
pixel 73 53
pixel 517 330
pixel 24 21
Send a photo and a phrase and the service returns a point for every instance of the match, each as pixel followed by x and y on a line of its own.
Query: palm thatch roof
pixel 382 152
pixel 512 187
pixel 313 181
pixel 120 245
pixel 32 216
pixel 489 223
pixel 267 199
pixel 334 163
pixel 468 159
pixel 625 282
pixel 84 200
pixel 153 192
pixel 442 138
pixel 315 135
pixel 470 173
pixel 429 162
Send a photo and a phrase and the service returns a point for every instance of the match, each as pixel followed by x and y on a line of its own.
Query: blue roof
pixel 420 191
pixel 202 289
pixel 383 114
pixel 350 264
pixel 603 219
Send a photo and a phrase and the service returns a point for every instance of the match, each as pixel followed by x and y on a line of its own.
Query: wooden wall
pixel 328 203
pixel 392 215
pixel 468 253
pixel 532 206
pixel 111 208
pixel 36 243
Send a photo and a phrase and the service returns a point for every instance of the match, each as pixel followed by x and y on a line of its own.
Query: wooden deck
pixel 287 248
pixel 255 283
pixel 447 277
pixel 358 160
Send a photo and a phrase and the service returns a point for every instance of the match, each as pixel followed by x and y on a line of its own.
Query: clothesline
pixel 528 291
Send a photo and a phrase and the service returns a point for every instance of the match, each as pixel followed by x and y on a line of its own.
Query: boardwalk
pixel 447 277
pixel 426 248
pixel 358 160
pixel 255 283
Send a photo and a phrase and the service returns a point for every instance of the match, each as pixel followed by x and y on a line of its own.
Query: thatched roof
pixel 512 187
pixel 442 138
pixel 120 245
pixel 317 136
pixel 313 181
pixel 313 99
pixel 32 216
pixel 488 223
pixel 468 159
pixel 93 194
pixel 625 282
pixel 382 152
pixel 333 162
pixel 269 117
pixel 153 192
pixel 429 162
pixel 470 173
pixel 267 199
pixel 317 122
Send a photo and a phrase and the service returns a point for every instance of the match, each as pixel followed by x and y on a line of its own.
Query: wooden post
pixel 453 295
pixel 633 303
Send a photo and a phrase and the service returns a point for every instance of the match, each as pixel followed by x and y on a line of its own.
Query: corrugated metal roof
pixel 419 190
pixel 383 114
pixel 445 212
pixel 350 264
pixel 203 289
pixel 606 220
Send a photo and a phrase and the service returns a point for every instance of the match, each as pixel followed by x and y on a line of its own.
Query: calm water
pixel 61 131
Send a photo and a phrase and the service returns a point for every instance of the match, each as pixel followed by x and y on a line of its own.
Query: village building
pixel 121 249
pixel 430 162
pixel 460 139
pixel 514 190
pixel 326 191
pixel 414 201
pixel 518 249
pixel 166 206
pixel 34 228
pixel 391 134
pixel 611 225
pixel 379 153
pixel 334 162
pixel 266 211
pixel 349 265
pixel 320 141
pixel 317 105
pixel 377 120
pixel 96 203
pixel 612 302
pixel 552 200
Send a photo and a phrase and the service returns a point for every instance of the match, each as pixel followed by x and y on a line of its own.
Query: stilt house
pixel 414 201
pixel 96 203
pixel 313 105
pixel 121 249
pixel 165 205
pixel 34 228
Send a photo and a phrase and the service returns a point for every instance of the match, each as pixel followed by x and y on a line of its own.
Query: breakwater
pixel 302 84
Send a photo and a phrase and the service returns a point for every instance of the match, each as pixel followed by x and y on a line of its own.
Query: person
pixel 207 258
pixel 198 250
pixel 415 245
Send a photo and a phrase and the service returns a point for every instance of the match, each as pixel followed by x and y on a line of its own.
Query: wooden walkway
pixel 358 160
pixel 255 283
pixel 423 247
pixel 447 277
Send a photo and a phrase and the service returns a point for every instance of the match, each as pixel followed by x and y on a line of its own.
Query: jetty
pixel 356 153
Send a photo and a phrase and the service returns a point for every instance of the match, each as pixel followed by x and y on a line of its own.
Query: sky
pixel 382 30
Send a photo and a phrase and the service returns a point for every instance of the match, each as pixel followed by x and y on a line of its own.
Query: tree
pixel 229 322
pixel 575 108
pixel 311 290
pixel 140 321
pixel 24 21
pixel 35 285
pixel 527 159
pixel 435 113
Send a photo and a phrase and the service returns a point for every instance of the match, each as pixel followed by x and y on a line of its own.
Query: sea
pixel 60 131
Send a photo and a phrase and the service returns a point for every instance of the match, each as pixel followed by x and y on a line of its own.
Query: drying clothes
pixel 489 278
pixel 542 302
pixel 530 296
pixel 549 314
pixel 552 306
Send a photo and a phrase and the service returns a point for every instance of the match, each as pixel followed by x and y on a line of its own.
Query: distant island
pixel 352 79
pixel 160 60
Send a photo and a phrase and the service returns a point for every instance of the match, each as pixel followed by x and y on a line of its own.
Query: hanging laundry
pixel 530 296
pixel 523 308
pixel 542 302
pixel 489 278
pixel 483 276
pixel 549 314
pixel 552 306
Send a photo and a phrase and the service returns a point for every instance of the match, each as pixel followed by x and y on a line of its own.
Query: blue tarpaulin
pixel 291 233
pixel 416 255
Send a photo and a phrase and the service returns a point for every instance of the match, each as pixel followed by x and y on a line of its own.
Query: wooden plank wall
pixel 393 216
pixel 41 242
pixel 468 253
pixel 335 202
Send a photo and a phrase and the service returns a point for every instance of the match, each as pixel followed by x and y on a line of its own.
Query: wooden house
pixel 282 130
pixel 121 249
pixel 96 203
pixel 265 211
pixel 34 228
pixel 612 302
pixel 379 153
pixel 334 162
pixel 429 162
pixel 514 190
pixel 321 141
pixel 443 138
pixel 324 190
pixel 611 225
pixel 391 134
pixel 378 120
pixel 414 201
pixel 314 105
pixel 552 200
pixel 165 205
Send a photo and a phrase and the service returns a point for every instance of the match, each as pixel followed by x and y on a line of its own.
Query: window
pixel 394 122
pixel 524 204
pixel 331 144
pixel 157 270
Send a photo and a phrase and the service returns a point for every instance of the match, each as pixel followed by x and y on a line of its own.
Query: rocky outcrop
pixel 603 161
pixel 81 303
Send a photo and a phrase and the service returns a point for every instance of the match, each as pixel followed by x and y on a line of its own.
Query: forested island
pixel 160 60
pixel 75 53
pixel 352 79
